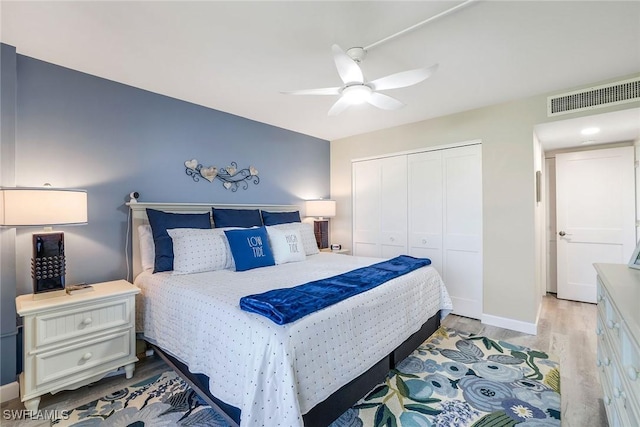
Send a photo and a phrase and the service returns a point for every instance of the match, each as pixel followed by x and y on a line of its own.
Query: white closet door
pixel 462 228
pixel 380 207
pixel 428 205
pixel 393 207
pixel 366 192
pixel 425 207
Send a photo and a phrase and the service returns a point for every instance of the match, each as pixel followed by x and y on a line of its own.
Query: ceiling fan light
pixel 356 94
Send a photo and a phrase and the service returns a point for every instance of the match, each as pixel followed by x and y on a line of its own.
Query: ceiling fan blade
pixel 341 104
pixel 322 91
pixel 403 79
pixel 348 69
pixel 383 101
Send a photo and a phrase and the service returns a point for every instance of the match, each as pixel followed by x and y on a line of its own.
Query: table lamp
pixel 45 207
pixel 321 209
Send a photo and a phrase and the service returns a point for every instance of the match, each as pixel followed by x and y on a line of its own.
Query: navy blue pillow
pixel 250 248
pixel 160 222
pixel 275 218
pixel 236 218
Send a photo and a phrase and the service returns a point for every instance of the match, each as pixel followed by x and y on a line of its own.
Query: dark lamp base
pixel 321 231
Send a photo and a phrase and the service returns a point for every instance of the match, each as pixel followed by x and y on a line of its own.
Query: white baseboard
pixel 514 325
pixel 9 391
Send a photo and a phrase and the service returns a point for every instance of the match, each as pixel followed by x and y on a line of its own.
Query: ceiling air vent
pixel 594 97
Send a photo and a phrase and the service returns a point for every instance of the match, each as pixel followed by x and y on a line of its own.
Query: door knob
pixel 562 234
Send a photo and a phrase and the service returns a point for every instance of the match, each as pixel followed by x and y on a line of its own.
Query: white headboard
pixel 139 217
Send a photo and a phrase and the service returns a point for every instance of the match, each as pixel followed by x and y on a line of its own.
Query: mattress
pixel 279 372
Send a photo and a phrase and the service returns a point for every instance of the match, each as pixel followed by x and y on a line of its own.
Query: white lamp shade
pixel 41 207
pixel 321 208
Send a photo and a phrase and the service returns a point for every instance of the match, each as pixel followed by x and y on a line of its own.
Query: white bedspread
pixel 275 373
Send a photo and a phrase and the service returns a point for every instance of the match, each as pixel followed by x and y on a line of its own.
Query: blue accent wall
pixel 7 235
pixel 76 130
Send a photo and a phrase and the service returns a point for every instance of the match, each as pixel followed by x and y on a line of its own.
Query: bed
pixel 257 372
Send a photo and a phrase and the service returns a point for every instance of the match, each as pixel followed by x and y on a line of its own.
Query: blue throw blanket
pixel 290 304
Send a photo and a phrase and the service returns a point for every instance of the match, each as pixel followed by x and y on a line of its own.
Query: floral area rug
pixel 162 400
pixel 453 379
pixel 457 379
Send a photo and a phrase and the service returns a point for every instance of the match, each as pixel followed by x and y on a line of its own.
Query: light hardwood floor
pixel 566 331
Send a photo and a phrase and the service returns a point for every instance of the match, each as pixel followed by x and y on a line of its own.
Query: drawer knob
pixel 424 241
pixel 87 321
pixel 607 400
pixel 612 325
pixel 632 372
pixel 598 331
pixel 606 361
pixel 393 239
pixel 87 356
pixel 598 363
pixel 618 393
pixel 600 298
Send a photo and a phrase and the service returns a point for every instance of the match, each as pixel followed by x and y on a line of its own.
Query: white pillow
pixel 306 232
pixel 147 247
pixel 196 250
pixel 286 245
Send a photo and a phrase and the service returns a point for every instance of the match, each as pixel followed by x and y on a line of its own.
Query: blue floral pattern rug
pixel 456 379
pixel 453 379
pixel 162 400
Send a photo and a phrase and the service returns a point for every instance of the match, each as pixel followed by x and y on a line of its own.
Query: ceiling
pixel 619 126
pixel 238 56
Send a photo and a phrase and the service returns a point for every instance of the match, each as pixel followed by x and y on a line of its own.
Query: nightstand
pixel 74 340
pixel 338 251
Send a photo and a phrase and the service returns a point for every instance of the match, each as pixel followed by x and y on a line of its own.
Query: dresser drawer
pixel 601 300
pixel 630 366
pixel 63 325
pixel 603 360
pixel 77 359
pixel 609 402
pixel 621 398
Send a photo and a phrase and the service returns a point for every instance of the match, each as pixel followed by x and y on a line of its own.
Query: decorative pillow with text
pixel 286 245
pixel 250 248
pixel 306 232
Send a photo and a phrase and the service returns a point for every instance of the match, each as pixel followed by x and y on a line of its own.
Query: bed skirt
pixel 327 411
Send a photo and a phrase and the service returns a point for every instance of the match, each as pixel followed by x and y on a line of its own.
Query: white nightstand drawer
pixel 58 326
pixel 66 362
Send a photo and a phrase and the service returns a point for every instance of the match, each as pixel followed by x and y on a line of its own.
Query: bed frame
pixel 323 413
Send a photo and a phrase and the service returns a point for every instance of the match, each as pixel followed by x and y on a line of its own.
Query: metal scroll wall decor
pixel 231 177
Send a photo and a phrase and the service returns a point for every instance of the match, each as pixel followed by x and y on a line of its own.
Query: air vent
pixel 594 97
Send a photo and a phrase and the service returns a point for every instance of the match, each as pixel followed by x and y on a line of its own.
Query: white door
pixel 462 228
pixel 595 216
pixel 425 207
pixel 379 192
pixel 393 208
pixel 366 208
pixel 445 220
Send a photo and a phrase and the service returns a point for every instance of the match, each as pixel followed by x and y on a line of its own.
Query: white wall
pixel 511 256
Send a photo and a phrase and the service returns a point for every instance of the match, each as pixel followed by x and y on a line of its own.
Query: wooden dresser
pixel 618 330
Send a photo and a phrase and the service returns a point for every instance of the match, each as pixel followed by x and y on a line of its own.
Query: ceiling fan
pixel 356 90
